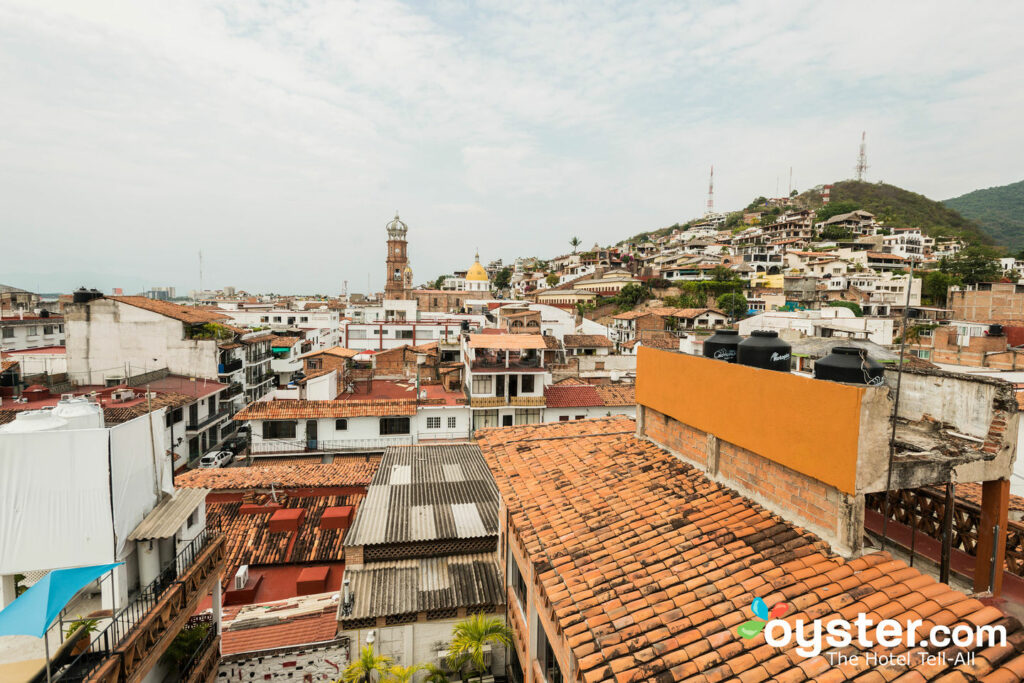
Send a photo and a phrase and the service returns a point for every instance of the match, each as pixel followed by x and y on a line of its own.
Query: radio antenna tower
pixel 862 158
pixel 711 192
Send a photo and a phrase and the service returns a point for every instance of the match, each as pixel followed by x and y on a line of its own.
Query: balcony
pixel 324 446
pixel 234 389
pixel 229 367
pixel 138 634
pixel 203 423
pixel 487 401
pixel 532 401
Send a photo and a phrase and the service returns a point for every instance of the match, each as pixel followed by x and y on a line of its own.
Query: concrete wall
pixel 554 414
pixel 106 338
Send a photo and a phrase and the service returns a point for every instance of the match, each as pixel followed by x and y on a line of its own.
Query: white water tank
pixel 80 413
pixel 34 421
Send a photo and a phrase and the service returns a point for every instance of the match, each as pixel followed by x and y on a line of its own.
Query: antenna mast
pixel 862 158
pixel 711 192
pixel 201 289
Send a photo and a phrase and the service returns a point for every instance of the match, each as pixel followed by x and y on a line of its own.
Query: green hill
pixel 901 208
pixel 998 210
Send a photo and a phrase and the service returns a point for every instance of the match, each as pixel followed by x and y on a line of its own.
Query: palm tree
pixel 575 242
pixel 403 674
pixel 434 674
pixel 368 668
pixel 469 638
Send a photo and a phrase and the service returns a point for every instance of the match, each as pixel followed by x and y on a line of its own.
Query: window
pixel 314 363
pixel 546 658
pixel 403 334
pixel 277 318
pixel 526 384
pixel 485 418
pixel 515 579
pixel 394 425
pixel 8 332
pixel 279 429
pixel 304 319
pixel 482 384
pixel 47 329
pixel 341 425
pixel 563 418
pixel 264 319
pixel 580 417
pixel 527 416
pixel 433 423
pixel 60 328
pixel 31 330
pixel 193 519
pixel 924 354
pixel 451 423
pixel 356 334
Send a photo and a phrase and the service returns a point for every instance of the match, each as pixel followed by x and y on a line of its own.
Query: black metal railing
pixel 105 641
pixel 234 389
pixel 194 426
pixel 230 366
pixel 197 657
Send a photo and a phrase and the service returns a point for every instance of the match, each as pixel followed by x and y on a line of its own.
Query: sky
pixel 279 137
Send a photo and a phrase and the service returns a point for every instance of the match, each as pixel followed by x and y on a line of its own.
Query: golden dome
pixel 476 272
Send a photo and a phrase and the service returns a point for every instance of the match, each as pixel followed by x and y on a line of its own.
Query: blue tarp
pixel 35 609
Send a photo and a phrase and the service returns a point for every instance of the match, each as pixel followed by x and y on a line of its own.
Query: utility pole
pixel 711 192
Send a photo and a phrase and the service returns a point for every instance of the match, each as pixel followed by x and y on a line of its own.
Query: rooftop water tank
pixel 851 365
pixel 722 345
pixel 83 295
pixel 34 421
pixel 80 413
pixel 764 349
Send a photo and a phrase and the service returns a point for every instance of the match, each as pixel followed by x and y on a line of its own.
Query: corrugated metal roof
pixel 169 514
pixel 427 493
pixel 382 589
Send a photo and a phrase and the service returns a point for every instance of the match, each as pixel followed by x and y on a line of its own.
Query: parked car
pixel 236 444
pixel 216 459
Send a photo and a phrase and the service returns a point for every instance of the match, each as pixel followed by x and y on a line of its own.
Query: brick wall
pixel 1000 303
pixel 988 352
pixel 798 498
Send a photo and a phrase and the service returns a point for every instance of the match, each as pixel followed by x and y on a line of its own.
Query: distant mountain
pixel 901 208
pixel 998 210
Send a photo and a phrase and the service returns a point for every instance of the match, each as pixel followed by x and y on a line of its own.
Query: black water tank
pixel 722 345
pixel 44 313
pixel 849 364
pixel 764 349
pixel 81 295
pixel 995 330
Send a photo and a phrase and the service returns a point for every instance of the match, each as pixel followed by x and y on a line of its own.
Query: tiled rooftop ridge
pixel 646 567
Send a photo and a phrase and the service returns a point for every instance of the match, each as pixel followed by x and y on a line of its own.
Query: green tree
pixel 935 286
pixel 853 306
pixel 793 193
pixel 370 667
pixel 435 674
pixel 551 279
pixel 439 282
pixel 722 274
pixel 836 208
pixel 575 242
pixel 733 304
pixel 972 265
pixel 632 294
pixel 469 638
pixel 503 278
pixel 835 233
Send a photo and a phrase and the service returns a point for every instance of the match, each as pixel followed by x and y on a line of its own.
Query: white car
pixel 216 459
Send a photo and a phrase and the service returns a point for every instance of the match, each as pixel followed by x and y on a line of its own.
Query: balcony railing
pixel 200 424
pixel 204 660
pixel 325 446
pixel 486 401
pixel 111 652
pixel 229 367
pixel 527 401
pixel 234 389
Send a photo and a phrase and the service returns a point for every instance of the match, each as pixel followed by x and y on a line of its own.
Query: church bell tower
pixel 397 260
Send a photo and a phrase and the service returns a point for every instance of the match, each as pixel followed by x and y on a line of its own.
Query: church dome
pixel 476 272
pixel 396 228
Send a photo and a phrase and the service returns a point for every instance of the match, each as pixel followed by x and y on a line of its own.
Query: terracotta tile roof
pixel 248 539
pixel 258 339
pixel 309 628
pixel 186 314
pixel 970 492
pixel 883 255
pixel 659 342
pixel 575 341
pixel 114 414
pixel 281 341
pixel 630 315
pixel 295 409
pixel 551 342
pixel 339 351
pixel 312 374
pixel 356 473
pixel 506 341
pixel 7 365
pixel 617 394
pixel 572 396
pixel 646 567
pixel 568 381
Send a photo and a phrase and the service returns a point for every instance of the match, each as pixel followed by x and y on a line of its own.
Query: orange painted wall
pixel 808 425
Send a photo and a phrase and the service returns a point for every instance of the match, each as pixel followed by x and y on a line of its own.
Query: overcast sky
pixel 280 136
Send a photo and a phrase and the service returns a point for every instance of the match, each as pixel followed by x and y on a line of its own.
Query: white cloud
pixel 279 136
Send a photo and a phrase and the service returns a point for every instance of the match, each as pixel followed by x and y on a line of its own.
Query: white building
pixel 30 332
pixel 826 322
pixel 505 378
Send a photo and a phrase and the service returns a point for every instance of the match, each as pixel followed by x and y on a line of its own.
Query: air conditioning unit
pixel 66 397
pixel 241 577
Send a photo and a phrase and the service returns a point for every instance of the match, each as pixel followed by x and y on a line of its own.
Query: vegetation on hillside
pixel 998 210
pixel 899 208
